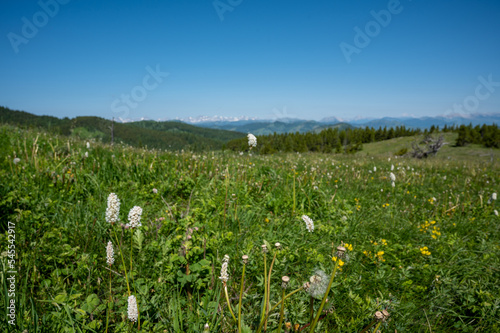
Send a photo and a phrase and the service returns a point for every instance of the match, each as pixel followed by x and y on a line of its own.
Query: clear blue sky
pixel 263 59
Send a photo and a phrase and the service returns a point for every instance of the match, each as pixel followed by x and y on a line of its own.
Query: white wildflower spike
pixel 132 308
pixel 110 254
pixel 392 167
pixel 224 276
pixel 88 145
pixel 17 160
pixel 309 223
pixel 393 177
pixel 113 209
pixel 252 140
pixel 134 217
pixel 393 184
pixel 493 196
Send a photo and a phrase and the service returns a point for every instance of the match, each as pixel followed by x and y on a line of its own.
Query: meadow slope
pixel 421 243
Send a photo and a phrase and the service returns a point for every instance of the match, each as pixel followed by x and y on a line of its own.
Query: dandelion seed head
pixel 318 283
pixel 16 160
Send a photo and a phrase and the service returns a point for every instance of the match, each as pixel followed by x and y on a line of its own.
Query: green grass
pixel 211 204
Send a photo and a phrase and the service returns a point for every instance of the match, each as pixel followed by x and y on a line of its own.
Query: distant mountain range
pixel 292 125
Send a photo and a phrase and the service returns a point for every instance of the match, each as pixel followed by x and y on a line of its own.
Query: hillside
pixel 159 135
pixel 278 127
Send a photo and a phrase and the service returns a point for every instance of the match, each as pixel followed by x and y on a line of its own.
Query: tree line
pixel 334 140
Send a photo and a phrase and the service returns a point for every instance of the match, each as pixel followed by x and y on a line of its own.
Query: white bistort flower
pixel 393 177
pixel 224 276
pixel 113 209
pixel 309 223
pixel 132 308
pixel 110 253
pixel 252 140
pixel 134 217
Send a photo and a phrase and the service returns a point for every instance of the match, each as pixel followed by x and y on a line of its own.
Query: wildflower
pixel 252 140
pixel 493 196
pixel 309 223
pixel 206 328
pixel 132 308
pixel 17 160
pixel 113 209
pixel 134 217
pixel 425 251
pixel 341 263
pixel 110 259
pixel 155 191
pixel 393 177
pixel 374 169
pixel 393 184
pixel 495 212
pixel 318 284
pixel 88 145
pixel 392 167
pixel 245 259
pixel 86 154
pixel 278 246
pixel 224 276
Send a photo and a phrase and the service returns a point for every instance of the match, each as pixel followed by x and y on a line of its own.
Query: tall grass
pixel 57 198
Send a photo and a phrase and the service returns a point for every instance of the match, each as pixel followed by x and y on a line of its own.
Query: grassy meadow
pixel 426 250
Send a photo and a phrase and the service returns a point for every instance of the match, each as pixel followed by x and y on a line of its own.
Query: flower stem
pixel 241 296
pixel 269 289
pixel 313 325
pixel 123 261
pixel 282 311
pixel 265 291
pixel 274 307
pixel 229 304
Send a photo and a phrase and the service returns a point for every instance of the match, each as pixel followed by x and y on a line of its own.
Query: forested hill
pixel 159 135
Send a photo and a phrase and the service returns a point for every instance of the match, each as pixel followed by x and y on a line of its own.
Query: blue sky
pixel 266 59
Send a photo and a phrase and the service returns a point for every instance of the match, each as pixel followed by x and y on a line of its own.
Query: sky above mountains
pixel 266 59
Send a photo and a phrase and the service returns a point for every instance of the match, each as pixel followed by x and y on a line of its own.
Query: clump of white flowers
pixel 224 276
pixel 132 308
pixel 309 223
pixel 17 160
pixel 134 217
pixel 110 253
pixel 252 140
pixel 113 209
pixel 393 177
